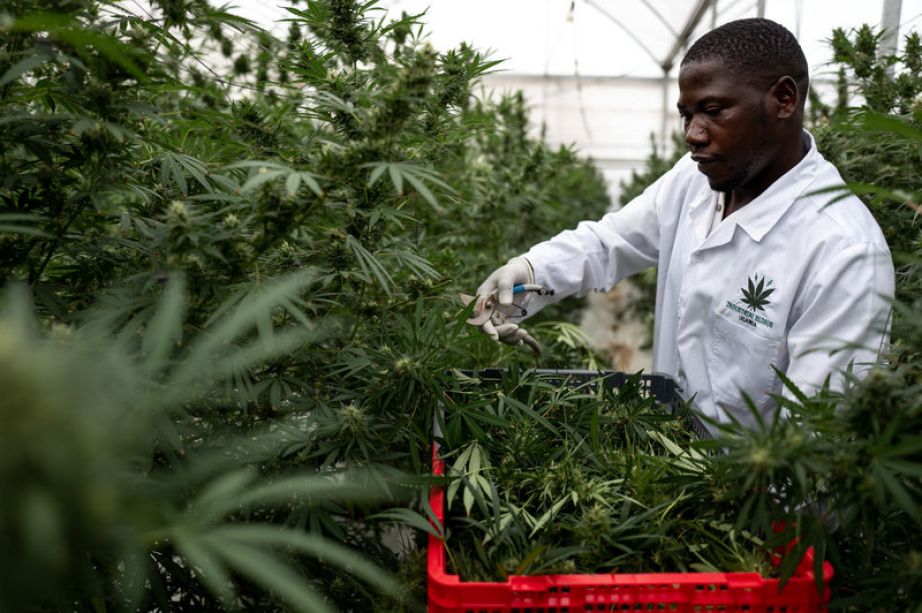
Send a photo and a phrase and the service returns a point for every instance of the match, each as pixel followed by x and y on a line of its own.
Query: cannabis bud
pixel 60 332
pixel 352 418
pixel 404 365
pixel 178 213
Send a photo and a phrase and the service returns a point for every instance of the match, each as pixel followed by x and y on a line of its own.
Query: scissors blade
pixel 483 309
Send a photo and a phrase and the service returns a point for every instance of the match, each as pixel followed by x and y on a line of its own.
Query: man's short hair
pixel 756 48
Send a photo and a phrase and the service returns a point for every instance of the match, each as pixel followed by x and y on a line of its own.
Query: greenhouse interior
pixel 517 306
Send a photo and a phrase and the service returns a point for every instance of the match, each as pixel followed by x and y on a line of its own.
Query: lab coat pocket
pixel 742 360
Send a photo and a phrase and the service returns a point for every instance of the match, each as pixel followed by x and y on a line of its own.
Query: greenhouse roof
pixel 627 38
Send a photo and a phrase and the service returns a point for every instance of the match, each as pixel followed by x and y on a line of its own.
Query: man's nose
pixel 695 134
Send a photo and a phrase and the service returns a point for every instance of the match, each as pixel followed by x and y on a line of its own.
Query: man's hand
pixel 516 271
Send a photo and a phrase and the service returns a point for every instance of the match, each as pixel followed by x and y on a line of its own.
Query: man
pixel 757 267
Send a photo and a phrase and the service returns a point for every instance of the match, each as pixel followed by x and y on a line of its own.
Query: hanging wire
pixel 901 26
pixel 595 82
pixel 143 10
pixel 625 29
pixel 752 7
pixel 729 7
pixel 579 83
pixel 547 60
pixel 910 20
pixel 659 16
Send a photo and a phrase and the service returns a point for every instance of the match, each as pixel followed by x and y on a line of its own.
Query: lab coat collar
pixel 761 215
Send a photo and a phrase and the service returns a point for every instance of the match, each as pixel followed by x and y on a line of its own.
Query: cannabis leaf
pixel 414 174
pixel 756 297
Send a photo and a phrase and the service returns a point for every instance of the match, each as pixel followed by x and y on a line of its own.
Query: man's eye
pixel 713 111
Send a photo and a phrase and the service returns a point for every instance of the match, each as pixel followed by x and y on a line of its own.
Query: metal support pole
pixel 890 23
pixel 689 28
pixel 669 61
pixel 664 123
pixel 760 9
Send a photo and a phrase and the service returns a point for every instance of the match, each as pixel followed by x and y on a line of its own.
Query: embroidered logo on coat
pixel 756 298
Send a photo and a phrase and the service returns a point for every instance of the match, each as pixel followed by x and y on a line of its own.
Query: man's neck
pixel 736 199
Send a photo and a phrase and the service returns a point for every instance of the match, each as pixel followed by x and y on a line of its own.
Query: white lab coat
pixel 825 269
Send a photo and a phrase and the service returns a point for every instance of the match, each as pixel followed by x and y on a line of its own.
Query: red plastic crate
pixel 675 592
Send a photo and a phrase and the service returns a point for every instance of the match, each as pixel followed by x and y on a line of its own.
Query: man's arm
pixel 845 318
pixel 597 254
pixel 594 256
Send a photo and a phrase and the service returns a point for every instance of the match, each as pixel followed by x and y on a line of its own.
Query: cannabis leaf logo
pixel 756 297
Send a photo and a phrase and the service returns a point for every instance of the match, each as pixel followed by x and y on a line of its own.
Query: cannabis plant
pixel 116 494
pixel 841 471
pixel 556 475
pixel 161 167
pixel 871 134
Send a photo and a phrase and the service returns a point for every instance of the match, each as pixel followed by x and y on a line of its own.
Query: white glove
pixel 516 271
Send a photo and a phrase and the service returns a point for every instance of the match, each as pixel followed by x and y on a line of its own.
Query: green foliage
pixel 244 321
pixel 842 470
pixel 875 144
pixel 256 266
pixel 115 493
pixel 869 473
pixel 656 165
pixel 558 476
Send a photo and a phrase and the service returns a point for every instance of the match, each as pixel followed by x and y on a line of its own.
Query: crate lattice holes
pixel 693 592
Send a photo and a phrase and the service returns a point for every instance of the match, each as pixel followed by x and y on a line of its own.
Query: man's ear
pixel 786 97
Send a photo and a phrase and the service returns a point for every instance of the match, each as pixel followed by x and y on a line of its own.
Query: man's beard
pixel 727 184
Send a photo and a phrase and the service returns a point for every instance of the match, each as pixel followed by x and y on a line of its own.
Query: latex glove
pixel 500 282
pixel 516 271
pixel 512 334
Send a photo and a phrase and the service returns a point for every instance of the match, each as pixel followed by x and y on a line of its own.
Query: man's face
pixel 727 126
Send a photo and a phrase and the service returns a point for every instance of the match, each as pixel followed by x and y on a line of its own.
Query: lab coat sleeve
pixel 597 254
pixel 845 318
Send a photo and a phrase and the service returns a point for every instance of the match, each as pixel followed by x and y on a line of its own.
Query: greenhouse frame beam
pixel 890 24
pixel 682 39
pixel 669 61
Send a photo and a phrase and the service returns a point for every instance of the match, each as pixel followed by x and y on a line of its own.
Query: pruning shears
pixel 488 308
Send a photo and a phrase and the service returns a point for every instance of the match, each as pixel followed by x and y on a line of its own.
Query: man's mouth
pixel 705 163
pixel 703 159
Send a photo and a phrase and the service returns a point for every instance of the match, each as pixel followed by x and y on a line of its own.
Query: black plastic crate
pixel 661 387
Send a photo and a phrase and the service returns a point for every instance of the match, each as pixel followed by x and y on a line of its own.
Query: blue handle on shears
pixel 538 289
